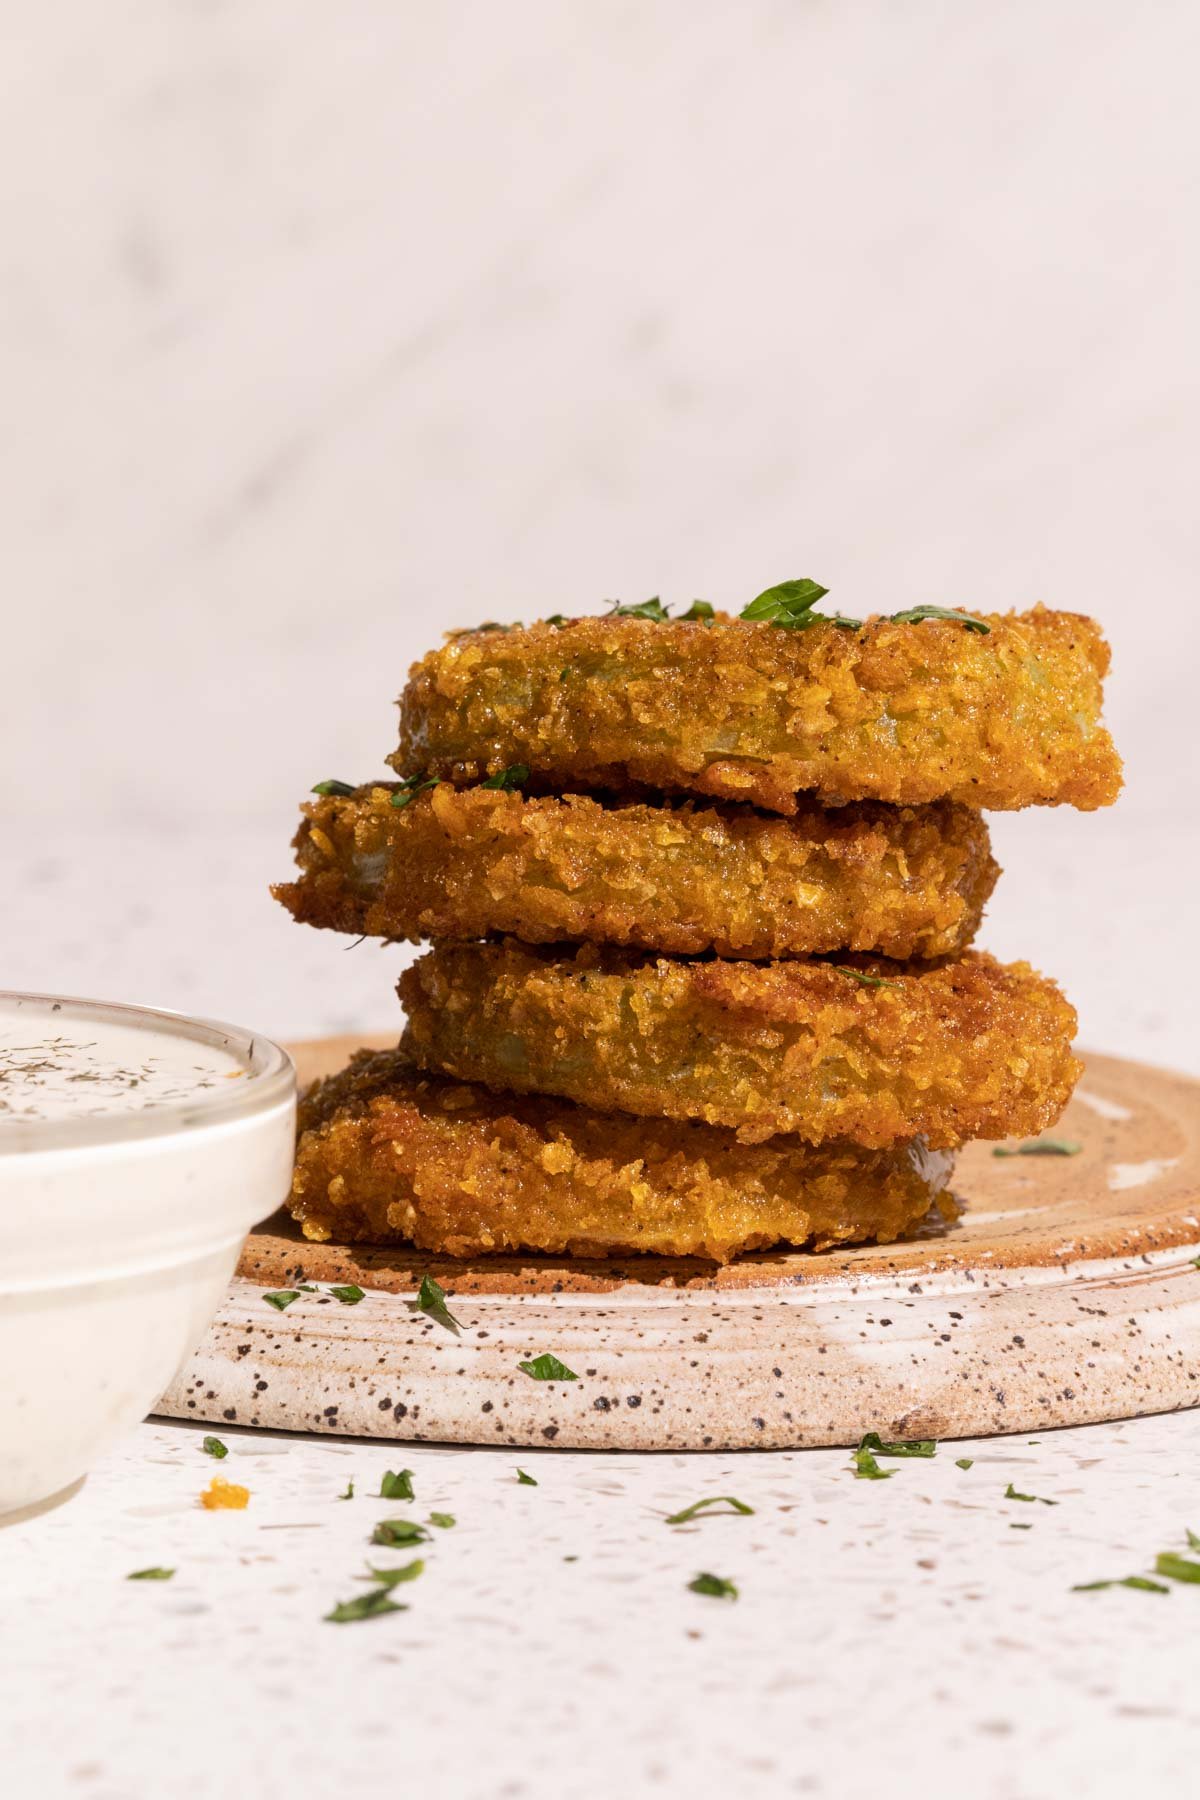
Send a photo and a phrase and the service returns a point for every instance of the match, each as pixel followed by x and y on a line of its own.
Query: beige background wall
pixel 324 328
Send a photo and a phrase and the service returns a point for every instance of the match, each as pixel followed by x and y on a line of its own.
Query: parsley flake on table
pixel 1141 1582
pixel 1178 1568
pixel 1193 1540
pixel 349 1295
pixel 1041 1147
pixel 867 1469
pixel 363 1606
pixel 898 1446
pixel 282 1298
pixel 396 1485
pixel 150 1575
pixel 341 789
pixel 399 1531
pixel 431 1299
pixel 349 1493
pixel 714 1585
pixel 547 1367
pixel 443 1521
pixel 390 1578
pixel 690 1512
pixel 1010 1493
pixel 212 1446
pixel 964 1462
pixel 524 1480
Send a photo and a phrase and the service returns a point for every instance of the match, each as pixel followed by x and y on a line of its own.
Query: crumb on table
pixel 220 1493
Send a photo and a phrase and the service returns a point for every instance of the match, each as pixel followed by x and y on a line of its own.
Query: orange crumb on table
pixel 224 1494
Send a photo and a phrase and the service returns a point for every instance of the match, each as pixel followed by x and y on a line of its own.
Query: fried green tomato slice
pixel 905 713
pixel 874 1053
pixel 388 1156
pixel 470 863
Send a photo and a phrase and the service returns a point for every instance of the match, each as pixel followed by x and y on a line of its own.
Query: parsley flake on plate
pixel 964 1462
pixel 866 1468
pixel 349 1295
pixel 431 1299
pixel 396 1486
pixel 443 1521
pixel 547 1368
pixel 714 1585
pixel 282 1298
pixel 150 1575
pixel 1040 1147
pixel 212 1446
pixel 363 1606
pixel 690 1512
pixel 524 1480
pixel 349 1493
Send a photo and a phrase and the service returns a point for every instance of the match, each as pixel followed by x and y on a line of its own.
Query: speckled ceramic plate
pixel 1068 1292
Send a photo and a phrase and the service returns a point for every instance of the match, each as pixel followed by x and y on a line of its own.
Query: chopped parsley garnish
pixel 964 1462
pixel 1010 1493
pixel 349 1493
pixel 150 1575
pixel 556 619
pixel 900 1446
pixel 507 779
pixel 431 1299
pixel 363 1606
pixel 1142 1582
pixel 282 1298
pixel 547 1368
pixel 396 1486
pixel 916 614
pixel 690 1512
pixel 1178 1568
pixel 342 789
pixel 350 1295
pixel 443 1521
pixel 524 1480
pixel 1041 1147
pixel 789 604
pixel 399 1531
pixel 867 1469
pixel 715 1585
pixel 645 609
pixel 212 1446
pixel 411 786
pixel 390 1578
pixel 871 981
pixel 699 611
pixel 1193 1540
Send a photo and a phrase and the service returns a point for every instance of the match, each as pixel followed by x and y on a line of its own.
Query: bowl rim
pixel 272 1079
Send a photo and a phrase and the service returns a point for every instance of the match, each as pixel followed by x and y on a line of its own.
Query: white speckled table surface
pixel 900 1636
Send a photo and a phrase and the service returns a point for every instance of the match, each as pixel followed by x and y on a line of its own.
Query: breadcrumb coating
pixel 470 863
pixel 947 1052
pixel 905 713
pixel 387 1155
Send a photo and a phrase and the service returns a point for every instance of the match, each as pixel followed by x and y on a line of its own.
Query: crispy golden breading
pixel 965 1049
pixel 387 1155
pixel 459 864
pixel 905 713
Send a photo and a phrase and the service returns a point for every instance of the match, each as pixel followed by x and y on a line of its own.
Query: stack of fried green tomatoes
pixel 701 893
